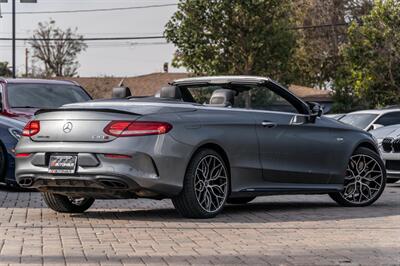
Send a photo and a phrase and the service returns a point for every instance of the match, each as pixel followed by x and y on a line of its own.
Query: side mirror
pixel 375 126
pixel 121 92
pixel 316 111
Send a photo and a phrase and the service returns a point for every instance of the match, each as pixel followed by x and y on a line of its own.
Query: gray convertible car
pixel 203 142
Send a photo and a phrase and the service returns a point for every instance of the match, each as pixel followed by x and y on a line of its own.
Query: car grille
pixel 393 165
pixel 396 145
pixel 387 144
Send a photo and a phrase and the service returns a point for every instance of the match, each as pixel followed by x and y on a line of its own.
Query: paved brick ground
pixel 301 230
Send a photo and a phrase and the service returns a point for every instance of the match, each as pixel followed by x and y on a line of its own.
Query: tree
pixel 5 70
pixel 233 37
pixel 322 29
pixel 57 49
pixel 371 70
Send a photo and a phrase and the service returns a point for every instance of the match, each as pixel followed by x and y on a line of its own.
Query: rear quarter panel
pixel 234 132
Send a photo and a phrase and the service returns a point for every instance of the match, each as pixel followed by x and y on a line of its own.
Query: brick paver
pixel 301 230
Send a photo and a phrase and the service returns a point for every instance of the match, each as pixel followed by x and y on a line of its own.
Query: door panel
pixel 294 152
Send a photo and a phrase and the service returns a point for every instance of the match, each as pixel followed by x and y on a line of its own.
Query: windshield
pixel 358 120
pixel 44 95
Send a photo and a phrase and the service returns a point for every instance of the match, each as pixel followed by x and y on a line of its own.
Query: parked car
pixel 372 119
pixel 389 144
pixel 20 98
pixel 251 137
pixel 10 133
pixel 335 116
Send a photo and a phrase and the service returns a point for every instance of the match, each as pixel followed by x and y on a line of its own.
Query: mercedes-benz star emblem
pixel 67 127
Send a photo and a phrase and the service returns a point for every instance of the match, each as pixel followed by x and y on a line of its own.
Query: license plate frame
pixel 62 164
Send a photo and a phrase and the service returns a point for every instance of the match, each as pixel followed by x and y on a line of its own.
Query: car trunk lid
pixel 78 125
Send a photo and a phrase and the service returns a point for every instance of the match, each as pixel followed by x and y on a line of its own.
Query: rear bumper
pixel 155 169
pixel 96 186
pixel 391 174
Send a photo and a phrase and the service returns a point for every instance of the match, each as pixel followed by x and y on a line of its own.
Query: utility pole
pixel 13 40
pixel 14 7
pixel 26 62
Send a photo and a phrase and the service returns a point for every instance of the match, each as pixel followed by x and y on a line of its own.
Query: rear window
pixel 44 95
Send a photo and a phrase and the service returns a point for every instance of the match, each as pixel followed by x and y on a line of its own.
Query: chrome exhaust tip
pixel 26 182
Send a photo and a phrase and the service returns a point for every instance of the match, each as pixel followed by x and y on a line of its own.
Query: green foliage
pixel 371 71
pixel 5 70
pixel 59 57
pixel 322 30
pixel 233 37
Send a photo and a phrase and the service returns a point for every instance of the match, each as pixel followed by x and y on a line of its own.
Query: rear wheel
pixel 365 180
pixel 240 200
pixel 205 188
pixel 61 203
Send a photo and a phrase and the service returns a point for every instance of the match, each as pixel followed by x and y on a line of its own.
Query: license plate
pixel 62 164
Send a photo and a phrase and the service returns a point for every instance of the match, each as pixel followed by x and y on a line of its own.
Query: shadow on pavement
pixel 266 209
pixel 255 212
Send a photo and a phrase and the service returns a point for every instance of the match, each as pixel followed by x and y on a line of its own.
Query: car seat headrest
pixel 170 92
pixel 222 97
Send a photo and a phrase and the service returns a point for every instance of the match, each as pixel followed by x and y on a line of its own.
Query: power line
pixel 88 39
pixel 91 10
pixel 319 26
pixel 124 38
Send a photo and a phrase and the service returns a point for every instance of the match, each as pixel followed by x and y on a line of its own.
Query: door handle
pixel 268 124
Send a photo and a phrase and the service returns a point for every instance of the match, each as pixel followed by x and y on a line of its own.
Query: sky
pixel 112 58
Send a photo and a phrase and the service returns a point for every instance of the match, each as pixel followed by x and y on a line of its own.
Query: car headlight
pixel 16 133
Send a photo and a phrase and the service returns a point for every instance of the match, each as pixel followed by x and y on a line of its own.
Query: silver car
pixel 389 144
pixel 372 119
pixel 201 142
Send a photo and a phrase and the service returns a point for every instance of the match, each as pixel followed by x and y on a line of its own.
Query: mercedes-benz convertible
pixel 203 142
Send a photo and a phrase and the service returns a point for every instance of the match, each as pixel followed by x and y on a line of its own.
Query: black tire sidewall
pixel 338 197
pixel 187 203
pixel 61 203
pixel 3 163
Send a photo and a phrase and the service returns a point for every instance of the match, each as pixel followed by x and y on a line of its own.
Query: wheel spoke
pixel 363 180
pixel 211 183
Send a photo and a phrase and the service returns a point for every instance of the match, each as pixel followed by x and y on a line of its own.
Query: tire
pixel 64 204
pixel 365 180
pixel 208 198
pixel 3 163
pixel 240 200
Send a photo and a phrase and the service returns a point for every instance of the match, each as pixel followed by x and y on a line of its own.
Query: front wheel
pixel 205 188
pixel 61 203
pixel 365 180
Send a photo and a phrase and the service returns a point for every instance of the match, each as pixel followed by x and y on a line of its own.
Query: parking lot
pixel 302 230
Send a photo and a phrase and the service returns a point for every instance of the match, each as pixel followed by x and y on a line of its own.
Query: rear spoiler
pixel 105 110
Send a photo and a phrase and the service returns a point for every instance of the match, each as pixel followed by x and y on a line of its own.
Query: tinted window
pixel 358 120
pixel 249 97
pixel 389 119
pixel 44 95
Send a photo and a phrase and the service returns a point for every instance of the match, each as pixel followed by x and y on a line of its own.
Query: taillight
pixel 31 129
pixel 137 128
pixel 22 155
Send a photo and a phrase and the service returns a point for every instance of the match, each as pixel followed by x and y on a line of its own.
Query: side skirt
pixel 291 189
